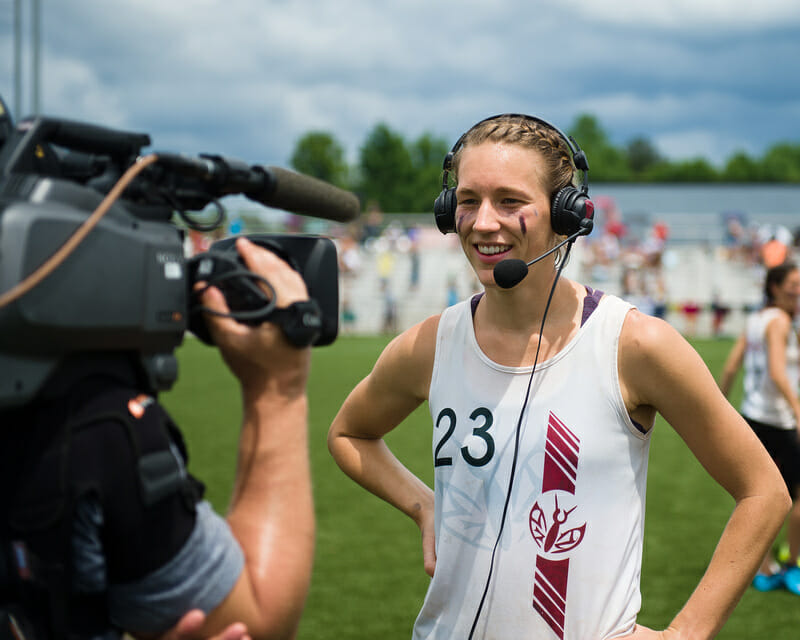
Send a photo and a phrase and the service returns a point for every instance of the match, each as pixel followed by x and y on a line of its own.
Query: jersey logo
pixel 549 535
pixel 554 524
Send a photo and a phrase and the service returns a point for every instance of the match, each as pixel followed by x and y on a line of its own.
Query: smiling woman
pixel 543 395
pixel 569 214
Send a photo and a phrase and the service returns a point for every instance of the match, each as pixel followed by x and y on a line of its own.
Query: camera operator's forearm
pixel 271 512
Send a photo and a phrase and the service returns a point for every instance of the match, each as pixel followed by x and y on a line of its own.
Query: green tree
pixel 606 162
pixel 319 154
pixel 387 171
pixel 642 155
pixel 781 163
pixel 740 167
pixel 403 177
pixel 693 170
pixel 427 155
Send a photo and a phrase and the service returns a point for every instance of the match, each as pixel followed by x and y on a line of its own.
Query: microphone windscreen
pixel 509 273
pixel 308 196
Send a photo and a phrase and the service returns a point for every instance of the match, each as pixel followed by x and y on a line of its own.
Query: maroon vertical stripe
pixel 560 457
pixel 550 592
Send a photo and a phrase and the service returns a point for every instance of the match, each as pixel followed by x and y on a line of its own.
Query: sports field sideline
pixel 693 273
pixel 368 581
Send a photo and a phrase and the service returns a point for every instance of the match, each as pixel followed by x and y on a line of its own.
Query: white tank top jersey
pixel 568 563
pixel 762 401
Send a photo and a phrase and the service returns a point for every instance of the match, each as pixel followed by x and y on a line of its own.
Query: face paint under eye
pixel 459 219
pixel 523 227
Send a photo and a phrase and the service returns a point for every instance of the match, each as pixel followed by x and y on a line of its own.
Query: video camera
pixel 86 223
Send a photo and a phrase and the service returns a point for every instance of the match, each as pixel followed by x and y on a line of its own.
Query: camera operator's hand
pixel 255 352
pixel 271 512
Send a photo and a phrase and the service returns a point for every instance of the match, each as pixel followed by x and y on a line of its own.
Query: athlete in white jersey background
pixel 542 394
pixel 768 348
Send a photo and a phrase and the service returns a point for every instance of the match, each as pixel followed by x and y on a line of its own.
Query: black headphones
pixel 571 211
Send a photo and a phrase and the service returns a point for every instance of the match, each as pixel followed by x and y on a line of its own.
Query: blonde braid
pixel 532 134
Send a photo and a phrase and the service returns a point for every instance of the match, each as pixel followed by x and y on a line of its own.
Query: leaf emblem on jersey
pixel 464 516
pixel 550 534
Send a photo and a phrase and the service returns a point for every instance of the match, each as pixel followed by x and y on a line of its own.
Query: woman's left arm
pixel 660 371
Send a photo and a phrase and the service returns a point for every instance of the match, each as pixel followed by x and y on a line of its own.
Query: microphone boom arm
pixel 509 273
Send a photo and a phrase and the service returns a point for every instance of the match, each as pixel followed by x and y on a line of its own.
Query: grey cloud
pixel 247 77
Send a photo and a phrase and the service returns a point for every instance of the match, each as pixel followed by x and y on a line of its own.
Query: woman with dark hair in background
pixel 769 350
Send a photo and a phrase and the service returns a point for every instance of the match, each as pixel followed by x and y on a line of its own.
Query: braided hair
pixel 559 170
pixel 529 133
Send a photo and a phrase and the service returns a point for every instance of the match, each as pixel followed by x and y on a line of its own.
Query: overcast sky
pixel 246 78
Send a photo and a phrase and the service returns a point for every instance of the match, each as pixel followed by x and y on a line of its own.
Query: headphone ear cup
pixel 571 212
pixel 444 210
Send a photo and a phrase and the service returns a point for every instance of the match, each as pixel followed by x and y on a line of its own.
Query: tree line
pixel 400 175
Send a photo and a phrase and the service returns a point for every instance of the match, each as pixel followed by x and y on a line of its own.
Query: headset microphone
pixel 509 273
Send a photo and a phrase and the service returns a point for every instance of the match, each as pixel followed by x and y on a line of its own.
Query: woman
pixel 541 428
pixel 771 356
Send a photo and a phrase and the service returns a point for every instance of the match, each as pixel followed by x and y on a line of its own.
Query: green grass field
pixel 368 579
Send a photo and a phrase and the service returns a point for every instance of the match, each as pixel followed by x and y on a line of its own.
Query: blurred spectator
pixel 691 311
pixel 349 253
pixel 348 315
pixel 373 223
pixel 652 248
pixel 386 259
pixel 389 309
pixel 736 240
pixel 414 256
pixel 606 248
pixel 633 290
pixel 719 311
pixel 452 291
pixel 775 243
pixel 773 253
pixel 611 216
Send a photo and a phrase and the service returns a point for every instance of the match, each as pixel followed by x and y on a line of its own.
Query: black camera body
pixel 123 289
pixel 313 257
pixel 127 286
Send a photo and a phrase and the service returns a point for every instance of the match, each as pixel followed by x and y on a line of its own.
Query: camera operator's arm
pixel 271 511
pixel 190 627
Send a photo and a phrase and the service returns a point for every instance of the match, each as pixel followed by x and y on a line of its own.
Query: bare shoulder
pixel 643 332
pixel 654 358
pixel 416 344
pixel 649 341
pixel 408 358
pixel 780 322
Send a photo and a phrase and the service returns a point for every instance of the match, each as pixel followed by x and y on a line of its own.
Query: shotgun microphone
pixel 509 273
pixel 270 186
pixel 304 194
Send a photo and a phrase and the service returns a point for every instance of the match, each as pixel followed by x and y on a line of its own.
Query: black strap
pixel 301 322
